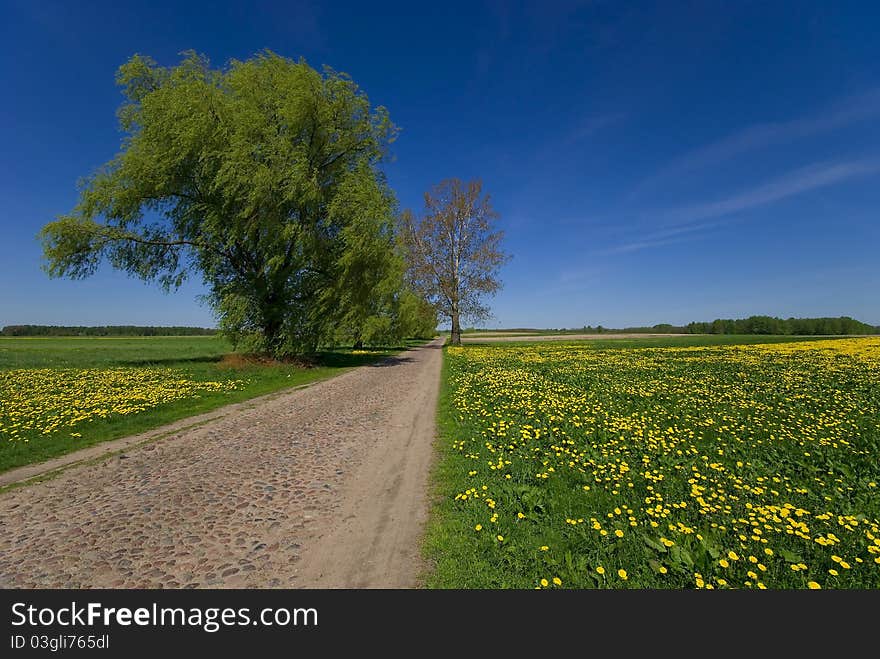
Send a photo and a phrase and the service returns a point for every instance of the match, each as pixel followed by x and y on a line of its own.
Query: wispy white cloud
pixel 593 124
pixel 852 109
pixel 669 236
pixel 690 222
pixel 644 244
pixel 569 281
pixel 569 136
pixel 795 183
pixel 580 275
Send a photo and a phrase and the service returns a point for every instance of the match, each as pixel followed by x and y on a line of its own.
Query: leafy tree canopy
pixel 261 177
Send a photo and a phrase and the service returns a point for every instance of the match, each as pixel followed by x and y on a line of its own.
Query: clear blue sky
pixel 651 162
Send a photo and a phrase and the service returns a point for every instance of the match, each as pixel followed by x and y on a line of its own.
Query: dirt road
pixel 319 487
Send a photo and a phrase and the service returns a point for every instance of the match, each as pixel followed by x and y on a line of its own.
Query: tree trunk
pixel 359 344
pixel 272 328
pixel 455 335
pixel 273 338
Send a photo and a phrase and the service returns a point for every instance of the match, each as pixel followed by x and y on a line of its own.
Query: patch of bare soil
pixel 237 360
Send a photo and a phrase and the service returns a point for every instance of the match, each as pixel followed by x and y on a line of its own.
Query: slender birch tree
pixel 454 251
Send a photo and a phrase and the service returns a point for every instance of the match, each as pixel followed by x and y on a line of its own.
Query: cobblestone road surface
pixel 239 502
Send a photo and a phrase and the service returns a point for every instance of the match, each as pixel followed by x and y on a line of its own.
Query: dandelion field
pixel 61 394
pixel 720 466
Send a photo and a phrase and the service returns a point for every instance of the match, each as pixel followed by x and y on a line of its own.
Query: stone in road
pixel 318 487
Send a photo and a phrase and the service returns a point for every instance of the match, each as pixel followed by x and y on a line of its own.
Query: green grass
pixel 91 352
pixel 661 341
pixel 762 460
pixel 445 539
pixel 192 359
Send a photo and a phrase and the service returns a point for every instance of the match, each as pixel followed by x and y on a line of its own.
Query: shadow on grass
pixel 170 361
pixel 391 361
pixel 341 358
pixel 373 356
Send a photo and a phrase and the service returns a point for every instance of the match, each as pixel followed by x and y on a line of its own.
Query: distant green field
pixel 520 332
pixel 61 394
pixel 92 352
pixel 658 341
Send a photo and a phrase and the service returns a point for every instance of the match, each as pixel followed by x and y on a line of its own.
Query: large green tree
pixel 261 177
pixel 379 307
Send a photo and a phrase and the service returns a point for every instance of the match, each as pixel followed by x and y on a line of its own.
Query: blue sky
pixel 651 162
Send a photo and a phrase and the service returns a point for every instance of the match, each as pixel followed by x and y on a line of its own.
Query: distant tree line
pixel 662 328
pixel 772 325
pixel 754 325
pixel 103 330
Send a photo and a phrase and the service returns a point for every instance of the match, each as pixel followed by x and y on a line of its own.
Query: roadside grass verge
pixel 447 534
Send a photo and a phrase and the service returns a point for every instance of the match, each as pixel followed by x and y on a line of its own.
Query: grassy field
pixel 671 465
pixel 61 394
pixel 657 341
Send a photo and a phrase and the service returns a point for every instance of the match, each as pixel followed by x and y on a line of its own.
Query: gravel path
pixel 320 487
